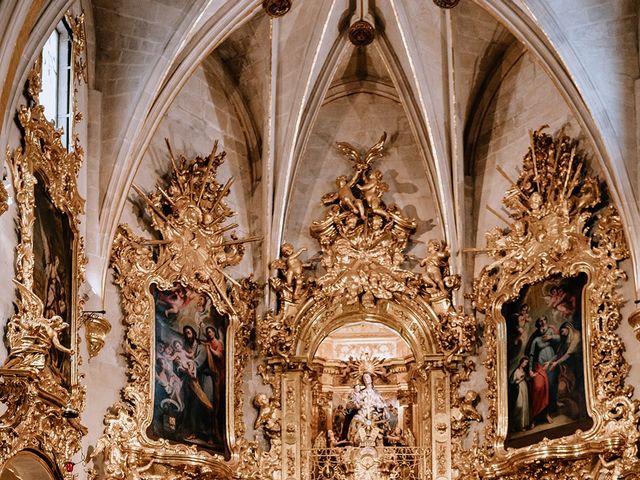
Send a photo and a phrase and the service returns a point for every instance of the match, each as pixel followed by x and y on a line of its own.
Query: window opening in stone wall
pixel 56 80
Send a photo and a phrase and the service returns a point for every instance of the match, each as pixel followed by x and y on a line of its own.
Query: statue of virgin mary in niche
pixel 370 422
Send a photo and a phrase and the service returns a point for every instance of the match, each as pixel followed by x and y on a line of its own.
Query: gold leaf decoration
pixel 560 227
pixel 41 406
pixel 195 247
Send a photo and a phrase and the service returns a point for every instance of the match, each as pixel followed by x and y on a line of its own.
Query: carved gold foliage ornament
pixel 360 274
pixel 4 199
pixel 561 228
pixel 42 402
pixel 363 242
pixel 78 47
pixel 195 247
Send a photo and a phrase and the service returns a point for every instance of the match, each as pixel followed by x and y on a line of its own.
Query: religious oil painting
pixel 189 386
pixel 545 365
pixel 52 274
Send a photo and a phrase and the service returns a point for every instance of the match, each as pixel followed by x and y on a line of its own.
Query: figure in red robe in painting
pixel 543 378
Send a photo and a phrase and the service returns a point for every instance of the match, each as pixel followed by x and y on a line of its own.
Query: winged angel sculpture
pixel 32 337
pixel 371 188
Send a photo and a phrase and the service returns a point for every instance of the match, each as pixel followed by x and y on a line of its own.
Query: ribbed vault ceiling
pixel 299 86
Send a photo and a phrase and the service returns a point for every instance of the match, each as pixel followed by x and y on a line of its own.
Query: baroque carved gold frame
pixel 560 227
pixel 41 410
pixel 363 243
pixel 190 215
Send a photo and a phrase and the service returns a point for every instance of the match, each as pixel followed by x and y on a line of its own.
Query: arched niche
pixel 410 319
pixel 27 465
pixel 336 379
pixel 364 338
pixel 314 388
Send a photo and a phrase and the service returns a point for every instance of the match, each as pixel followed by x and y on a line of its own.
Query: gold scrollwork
pixel 560 227
pixel 4 199
pixel 363 245
pixel 42 406
pixel 194 249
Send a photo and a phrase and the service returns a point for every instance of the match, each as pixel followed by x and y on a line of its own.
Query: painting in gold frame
pixel 195 246
pixel 562 226
pixel 190 373
pixel 545 364
pixel 54 275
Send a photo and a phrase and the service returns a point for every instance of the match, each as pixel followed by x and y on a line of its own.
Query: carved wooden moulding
pixel 41 384
pixel 188 324
pixel 558 403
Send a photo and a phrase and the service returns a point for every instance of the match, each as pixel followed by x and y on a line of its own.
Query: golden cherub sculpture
pixel 290 272
pixel 437 277
pixel 32 337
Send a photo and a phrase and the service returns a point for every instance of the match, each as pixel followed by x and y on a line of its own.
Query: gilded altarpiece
pixel 41 384
pixel 361 275
pixel 558 404
pixel 188 324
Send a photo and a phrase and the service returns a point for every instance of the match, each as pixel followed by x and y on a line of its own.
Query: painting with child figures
pixel 545 366
pixel 52 274
pixel 189 386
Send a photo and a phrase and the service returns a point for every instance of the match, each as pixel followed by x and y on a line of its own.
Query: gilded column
pixel 291 428
pixel 441 426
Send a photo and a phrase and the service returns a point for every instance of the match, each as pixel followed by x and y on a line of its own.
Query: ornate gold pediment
pixel 560 258
pixel 362 266
pixel 144 436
